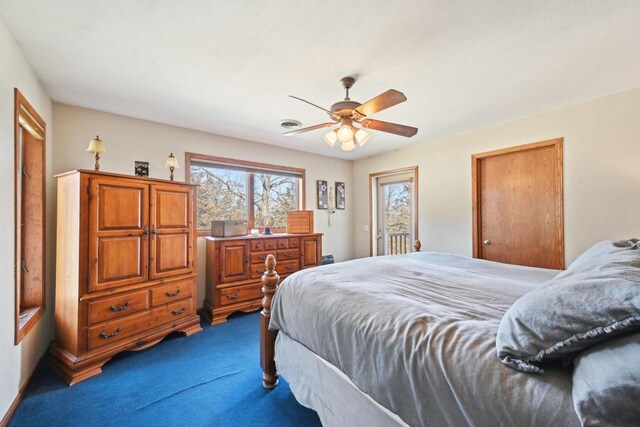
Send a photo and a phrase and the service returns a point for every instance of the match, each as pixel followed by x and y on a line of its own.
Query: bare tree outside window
pixel 231 193
pixel 397 216
pixel 274 195
pixel 222 194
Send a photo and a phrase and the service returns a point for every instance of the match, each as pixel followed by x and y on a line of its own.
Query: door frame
pixel 372 178
pixel 557 144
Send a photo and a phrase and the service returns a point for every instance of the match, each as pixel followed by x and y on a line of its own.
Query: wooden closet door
pixel 518 205
pixel 118 233
pixel 172 236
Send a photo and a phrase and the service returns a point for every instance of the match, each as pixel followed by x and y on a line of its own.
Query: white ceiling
pixel 227 66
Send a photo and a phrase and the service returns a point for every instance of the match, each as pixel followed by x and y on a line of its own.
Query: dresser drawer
pixel 118 306
pixel 259 257
pixel 271 244
pixel 240 293
pixel 257 270
pixel 287 267
pixel 294 242
pixel 288 254
pixel 119 329
pixel 171 292
pixel 283 243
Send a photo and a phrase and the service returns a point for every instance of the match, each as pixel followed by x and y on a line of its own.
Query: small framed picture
pixel 323 194
pixel 141 168
pixel 340 195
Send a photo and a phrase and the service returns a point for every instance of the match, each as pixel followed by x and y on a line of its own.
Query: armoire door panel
pixel 118 227
pixel 172 209
pixel 172 238
pixel 171 250
pixel 120 207
pixel 119 258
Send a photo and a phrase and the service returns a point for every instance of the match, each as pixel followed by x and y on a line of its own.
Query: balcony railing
pixel 398 243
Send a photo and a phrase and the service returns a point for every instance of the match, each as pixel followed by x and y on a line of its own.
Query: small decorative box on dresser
pixel 125 267
pixel 235 266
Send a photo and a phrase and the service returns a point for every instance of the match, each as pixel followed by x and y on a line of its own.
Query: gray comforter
pixel 417 333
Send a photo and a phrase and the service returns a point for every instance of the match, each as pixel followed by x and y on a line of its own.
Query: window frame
pixel 251 168
pixel 22 108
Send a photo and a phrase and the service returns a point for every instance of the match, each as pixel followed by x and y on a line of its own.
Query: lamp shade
pixel 96 146
pixel 172 161
pixel 330 138
pixel 362 136
pixel 345 133
pixel 348 146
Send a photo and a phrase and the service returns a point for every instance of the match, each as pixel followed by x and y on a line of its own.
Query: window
pixel 29 216
pixel 238 190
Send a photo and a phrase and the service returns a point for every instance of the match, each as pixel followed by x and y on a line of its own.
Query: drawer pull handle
pixel 288 254
pixel 262 257
pixel 290 267
pixel 105 335
pixel 232 297
pixel 260 271
pixel 179 312
pixel 172 294
pixel 122 307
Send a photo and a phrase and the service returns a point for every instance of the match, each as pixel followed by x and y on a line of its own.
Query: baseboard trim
pixel 18 399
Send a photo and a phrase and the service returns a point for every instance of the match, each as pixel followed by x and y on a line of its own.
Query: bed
pixel 406 340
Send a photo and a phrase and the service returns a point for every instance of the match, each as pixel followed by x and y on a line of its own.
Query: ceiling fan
pixel 348 114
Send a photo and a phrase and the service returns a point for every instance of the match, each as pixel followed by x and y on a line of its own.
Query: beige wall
pixel 128 139
pixel 18 361
pixel 601 174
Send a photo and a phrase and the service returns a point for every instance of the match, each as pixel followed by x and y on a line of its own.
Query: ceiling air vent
pixel 290 124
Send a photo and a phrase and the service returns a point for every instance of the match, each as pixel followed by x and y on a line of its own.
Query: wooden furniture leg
pixel 270 280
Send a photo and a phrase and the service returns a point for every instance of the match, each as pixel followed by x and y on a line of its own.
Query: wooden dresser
pixel 235 266
pixel 125 267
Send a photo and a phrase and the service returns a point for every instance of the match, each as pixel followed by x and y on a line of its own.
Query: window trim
pixel 245 164
pixel 22 107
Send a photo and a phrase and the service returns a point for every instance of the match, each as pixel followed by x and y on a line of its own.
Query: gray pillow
pixel 578 308
pixel 599 250
pixel 606 383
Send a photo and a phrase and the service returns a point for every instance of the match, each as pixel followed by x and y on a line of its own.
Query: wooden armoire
pixel 125 267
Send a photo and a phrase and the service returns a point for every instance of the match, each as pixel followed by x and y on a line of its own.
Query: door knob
pixel 486 242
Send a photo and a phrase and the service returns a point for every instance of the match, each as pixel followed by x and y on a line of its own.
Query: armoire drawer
pixel 240 293
pixel 171 292
pixel 118 306
pixel 119 329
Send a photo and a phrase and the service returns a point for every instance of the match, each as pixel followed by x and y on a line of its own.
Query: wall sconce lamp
pixel 172 164
pixel 96 146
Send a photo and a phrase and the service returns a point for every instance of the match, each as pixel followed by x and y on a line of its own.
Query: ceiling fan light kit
pixel 346 113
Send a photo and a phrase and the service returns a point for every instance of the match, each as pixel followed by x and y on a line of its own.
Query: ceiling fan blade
pixel 381 102
pixel 401 130
pixel 311 103
pixel 297 131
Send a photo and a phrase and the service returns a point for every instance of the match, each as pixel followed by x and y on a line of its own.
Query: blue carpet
pixel 211 378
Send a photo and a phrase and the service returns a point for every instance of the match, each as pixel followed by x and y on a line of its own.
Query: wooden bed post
pixel 417 245
pixel 270 280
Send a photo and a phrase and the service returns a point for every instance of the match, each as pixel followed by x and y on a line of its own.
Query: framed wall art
pixel 323 194
pixel 340 195
pixel 141 168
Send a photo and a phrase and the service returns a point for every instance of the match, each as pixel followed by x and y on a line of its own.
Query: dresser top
pixel 120 175
pixel 261 236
